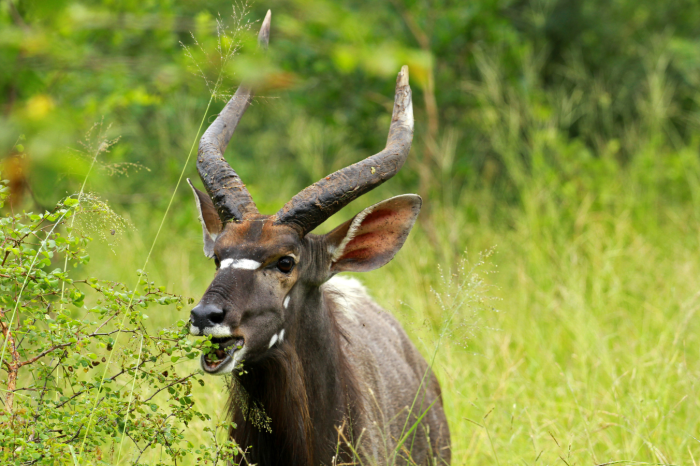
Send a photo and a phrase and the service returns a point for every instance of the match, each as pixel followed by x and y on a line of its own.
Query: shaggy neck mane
pixel 286 407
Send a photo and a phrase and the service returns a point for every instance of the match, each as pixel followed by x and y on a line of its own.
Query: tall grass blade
pixel 413 427
pixel 72 453
pixel 148 256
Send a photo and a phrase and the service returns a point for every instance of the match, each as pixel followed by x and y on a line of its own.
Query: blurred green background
pixel 562 135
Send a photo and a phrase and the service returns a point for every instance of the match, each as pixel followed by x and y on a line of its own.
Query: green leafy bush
pixel 82 373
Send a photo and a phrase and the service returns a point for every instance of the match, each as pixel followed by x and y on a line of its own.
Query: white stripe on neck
pixel 246 264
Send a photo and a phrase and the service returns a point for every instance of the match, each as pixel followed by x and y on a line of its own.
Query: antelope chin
pixel 224 359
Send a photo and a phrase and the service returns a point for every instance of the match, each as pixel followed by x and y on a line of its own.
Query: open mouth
pixel 218 358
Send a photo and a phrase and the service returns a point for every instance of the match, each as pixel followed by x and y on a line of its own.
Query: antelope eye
pixel 285 264
pixel 217 262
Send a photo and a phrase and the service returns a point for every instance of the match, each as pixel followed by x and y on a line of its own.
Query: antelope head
pixel 268 267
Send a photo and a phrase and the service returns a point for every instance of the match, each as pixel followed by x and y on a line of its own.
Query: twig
pixel 12 367
pixel 63 345
pixel 151 442
pixel 122 372
pixel 167 386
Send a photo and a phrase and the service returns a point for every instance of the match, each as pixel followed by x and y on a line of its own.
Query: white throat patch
pixel 348 294
pixel 245 264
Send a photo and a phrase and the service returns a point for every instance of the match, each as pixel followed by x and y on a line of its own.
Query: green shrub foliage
pixel 84 381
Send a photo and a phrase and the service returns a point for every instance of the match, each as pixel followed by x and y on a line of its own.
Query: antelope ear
pixel 211 224
pixel 374 236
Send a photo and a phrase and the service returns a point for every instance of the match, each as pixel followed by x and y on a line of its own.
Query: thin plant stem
pixel 131 397
pixel 72 220
pixel 455 308
pixel 212 94
pixel 24 284
pixel 493 447
pixel 425 374
pixel 148 257
pixel 72 453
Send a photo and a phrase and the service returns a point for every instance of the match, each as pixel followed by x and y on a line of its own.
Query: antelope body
pixel 321 374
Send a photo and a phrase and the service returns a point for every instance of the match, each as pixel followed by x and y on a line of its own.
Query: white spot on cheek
pixel 286 302
pixel 281 335
pixel 273 340
pixel 245 264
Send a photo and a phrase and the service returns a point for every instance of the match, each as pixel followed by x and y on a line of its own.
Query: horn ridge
pixel 225 187
pixel 316 203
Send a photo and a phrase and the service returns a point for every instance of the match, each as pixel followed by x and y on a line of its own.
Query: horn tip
pixel 264 35
pixel 402 79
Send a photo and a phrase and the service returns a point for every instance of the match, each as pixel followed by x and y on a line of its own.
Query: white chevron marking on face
pixel 273 340
pixel 245 264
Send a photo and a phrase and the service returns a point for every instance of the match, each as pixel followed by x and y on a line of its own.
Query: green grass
pixel 582 346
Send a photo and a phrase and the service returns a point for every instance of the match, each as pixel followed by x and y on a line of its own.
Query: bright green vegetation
pixel 561 135
pixel 588 333
pixel 83 370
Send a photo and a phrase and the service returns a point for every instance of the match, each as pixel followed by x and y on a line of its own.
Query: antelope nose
pixel 206 315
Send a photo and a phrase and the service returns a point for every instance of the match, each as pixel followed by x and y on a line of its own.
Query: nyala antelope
pixel 335 374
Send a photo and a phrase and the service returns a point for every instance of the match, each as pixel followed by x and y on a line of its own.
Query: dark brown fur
pixel 309 395
pixel 277 386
